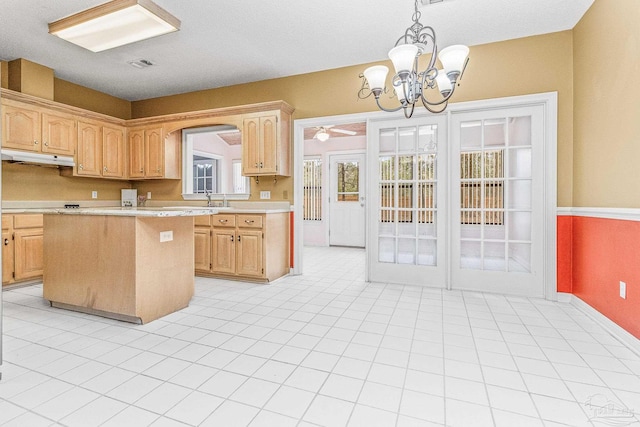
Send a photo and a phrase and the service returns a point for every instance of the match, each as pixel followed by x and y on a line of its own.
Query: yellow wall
pixel 515 67
pixel 79 96
pixel 607 106
pixel 30 182
pixel 31 78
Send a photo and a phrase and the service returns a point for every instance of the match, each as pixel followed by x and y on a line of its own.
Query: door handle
pixel 6 242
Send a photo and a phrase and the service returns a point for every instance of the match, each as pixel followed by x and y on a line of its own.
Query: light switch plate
pixel 94 194
pixel 148 195
pixel 265 194
pixel 166 236
pixel 623 290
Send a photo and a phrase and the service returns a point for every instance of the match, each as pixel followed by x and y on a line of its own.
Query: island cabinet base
pixel 119 266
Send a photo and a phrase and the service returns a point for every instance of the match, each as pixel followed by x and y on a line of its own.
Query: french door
pixel 408 216
pixel 459 210
pixel 497 188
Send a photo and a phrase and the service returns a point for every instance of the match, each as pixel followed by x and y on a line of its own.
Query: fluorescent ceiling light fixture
pixel 116 23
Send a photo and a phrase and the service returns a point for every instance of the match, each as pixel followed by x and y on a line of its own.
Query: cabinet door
pixel 113 154
pixel 202 248
pixel 89 150
pixel 223 259
pixel 28 253
pixel 154 153
pixel 20 128
pixel 59 134
pixel 269 145
pixel 7 256
pixel 136 154
pixel 249 253
pixel 251 146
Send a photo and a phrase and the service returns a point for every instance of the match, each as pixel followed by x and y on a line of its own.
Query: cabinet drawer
pixel 204 220
pixel 223 220
pixel 250 221
pixel 7 222
pixel 28 221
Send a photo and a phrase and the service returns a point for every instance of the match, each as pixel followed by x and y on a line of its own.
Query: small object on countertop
pixel 71 206
pixel 142 200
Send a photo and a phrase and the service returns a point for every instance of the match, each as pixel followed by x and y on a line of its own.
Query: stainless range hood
pixel 36 158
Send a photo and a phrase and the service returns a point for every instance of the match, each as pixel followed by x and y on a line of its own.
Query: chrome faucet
pixel 225 203
pixel 208 194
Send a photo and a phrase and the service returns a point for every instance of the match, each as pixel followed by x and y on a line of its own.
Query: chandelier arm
pixel 388 110
pixel 444 100
pixel 434 111
pixel 408 116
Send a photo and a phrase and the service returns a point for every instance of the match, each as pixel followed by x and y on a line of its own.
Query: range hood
pixel 36 158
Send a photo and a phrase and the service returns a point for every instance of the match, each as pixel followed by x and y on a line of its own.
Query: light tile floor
pixel 321 349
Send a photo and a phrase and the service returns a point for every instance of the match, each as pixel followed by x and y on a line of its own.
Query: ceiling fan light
pixel 453 58
pixel 403 57
pixel 322 135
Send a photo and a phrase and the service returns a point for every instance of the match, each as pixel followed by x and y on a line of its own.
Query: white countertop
pixel 155 211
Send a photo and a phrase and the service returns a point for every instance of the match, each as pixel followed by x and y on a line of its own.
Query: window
pixel 482 178
pixel 211 163
pixel 348 185
pixel 205 174
pixel 312 204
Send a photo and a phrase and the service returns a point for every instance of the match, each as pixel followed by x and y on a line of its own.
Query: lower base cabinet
pixel 243 246
pixel 22 250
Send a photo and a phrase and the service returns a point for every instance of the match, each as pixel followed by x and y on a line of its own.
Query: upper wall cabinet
pixel 33 129
pixel 266 147
pixel 147 158
pixel 101 150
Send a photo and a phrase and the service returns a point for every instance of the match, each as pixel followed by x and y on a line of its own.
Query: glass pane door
pixel 498 200
pixel 409 217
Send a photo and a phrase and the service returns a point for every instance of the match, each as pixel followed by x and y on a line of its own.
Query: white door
pixel 407 220
pixel 497 199
pixel 346 200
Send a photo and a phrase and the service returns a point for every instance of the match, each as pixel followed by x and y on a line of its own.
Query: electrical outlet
pixel 265 194
pixel 166 236
pixel 148 195
pixel 94 194
pixel 623 290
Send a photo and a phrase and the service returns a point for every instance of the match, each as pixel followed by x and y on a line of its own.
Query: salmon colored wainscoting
pixel 597 249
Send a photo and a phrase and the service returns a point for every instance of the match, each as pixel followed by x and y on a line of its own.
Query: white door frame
pixel 548 100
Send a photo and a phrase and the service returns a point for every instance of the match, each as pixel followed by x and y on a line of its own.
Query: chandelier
pixel 410 84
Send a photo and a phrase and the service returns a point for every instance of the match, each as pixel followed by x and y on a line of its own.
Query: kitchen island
pixel 131 264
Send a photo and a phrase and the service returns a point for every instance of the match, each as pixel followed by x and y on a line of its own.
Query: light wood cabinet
pixel 22 251
pixel 100 151
pixel 113 152
pixel 266 144
pixel 34 129
pixel 147 158
pixel 89 157
pixel 243 246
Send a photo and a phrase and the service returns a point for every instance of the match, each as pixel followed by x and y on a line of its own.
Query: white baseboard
pixel 609 325
pixel 565 297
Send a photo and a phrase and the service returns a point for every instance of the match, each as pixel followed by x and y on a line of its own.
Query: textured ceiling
pixel 223 43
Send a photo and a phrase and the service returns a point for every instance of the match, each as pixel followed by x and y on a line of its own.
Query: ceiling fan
pixel 323 132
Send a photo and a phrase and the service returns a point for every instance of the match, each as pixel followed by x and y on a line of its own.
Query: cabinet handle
pixel 249 221
pixel 224 221
pixel 6 242
pixel 232 237
pixel 141 170
pixel 256 164
pixel 158 170
pixel 46 143
pixel 80 166
pixel 260 165
pixel 238 238
pixel 35 142
pixel 105 169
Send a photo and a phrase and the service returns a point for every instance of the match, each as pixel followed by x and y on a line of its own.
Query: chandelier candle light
pixel 409 83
